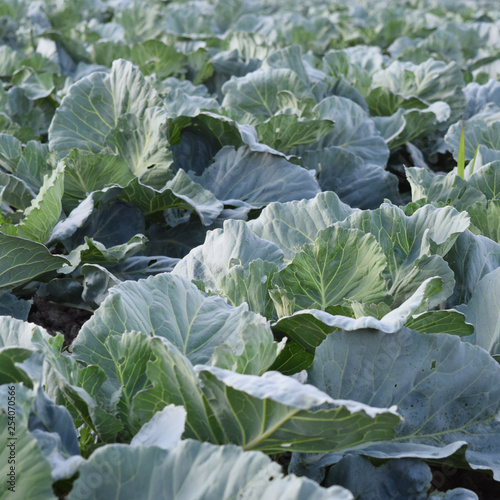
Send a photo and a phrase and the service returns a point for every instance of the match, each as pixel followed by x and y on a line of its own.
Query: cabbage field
pixel 250 250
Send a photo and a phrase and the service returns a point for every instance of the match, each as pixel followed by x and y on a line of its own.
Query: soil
pixel 58 318
pixel 481 483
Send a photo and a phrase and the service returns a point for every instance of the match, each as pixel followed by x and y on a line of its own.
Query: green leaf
pixel 487 180
pixel 35 85
pixel 444 387
pixel 354 130
pixel 340 265
pixel 486 217
pixel 44 212
pixel 414 245
pixel 258 92
pixel 86 173
pixel 471 258
pixel 256 178
pixel 483 311
pixel 192 471
pixel 153 56
pixel 310 327
pixel 16 192
pixel 23 260
pixel 282 416
pixel 449 189
pixel 250 285
pixel 201 323
pixel 233 245
pixel 450 321
pixel 179 193
pixel 359 183
pixel 290 225
pixel 292 359
pixel 120 110
pixel 286 132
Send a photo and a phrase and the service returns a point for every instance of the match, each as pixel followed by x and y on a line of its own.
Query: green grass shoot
pixel 461 153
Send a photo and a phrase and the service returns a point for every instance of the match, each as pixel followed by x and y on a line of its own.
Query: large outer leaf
pixel 448 189
pixel 486 217
pixel 286 132
pixel 44 212
pixel 357 182
pixel 86 173
pixel 292 224
pixel 476 132
pixel 471 257
pixel 341 264
pixel 192 471
pixel 274 412
pixel 487 180
pixel 310 327
pixel 258 92
pixel 179 193
pixel 234 245
pixel 354 130
pixel 256 178
pixel 430 81
pixel 120 110
pixel 447 390
pixel 413 245
pixel 22 260
pixel 217 402
pixel 483 311
pixel 170 306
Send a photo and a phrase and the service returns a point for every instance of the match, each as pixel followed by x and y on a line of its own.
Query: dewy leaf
pixel 483 311
pixel 21 260
pixel 290 225
pixel 120 110
pixel 233 245
pixel 414 245
pixel 171 307
pixel 446 390
pixel 256 178
pixel 282 416
pixel 192 471
pixel 341 264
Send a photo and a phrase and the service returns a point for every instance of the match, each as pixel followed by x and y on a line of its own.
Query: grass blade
pixel 461 153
